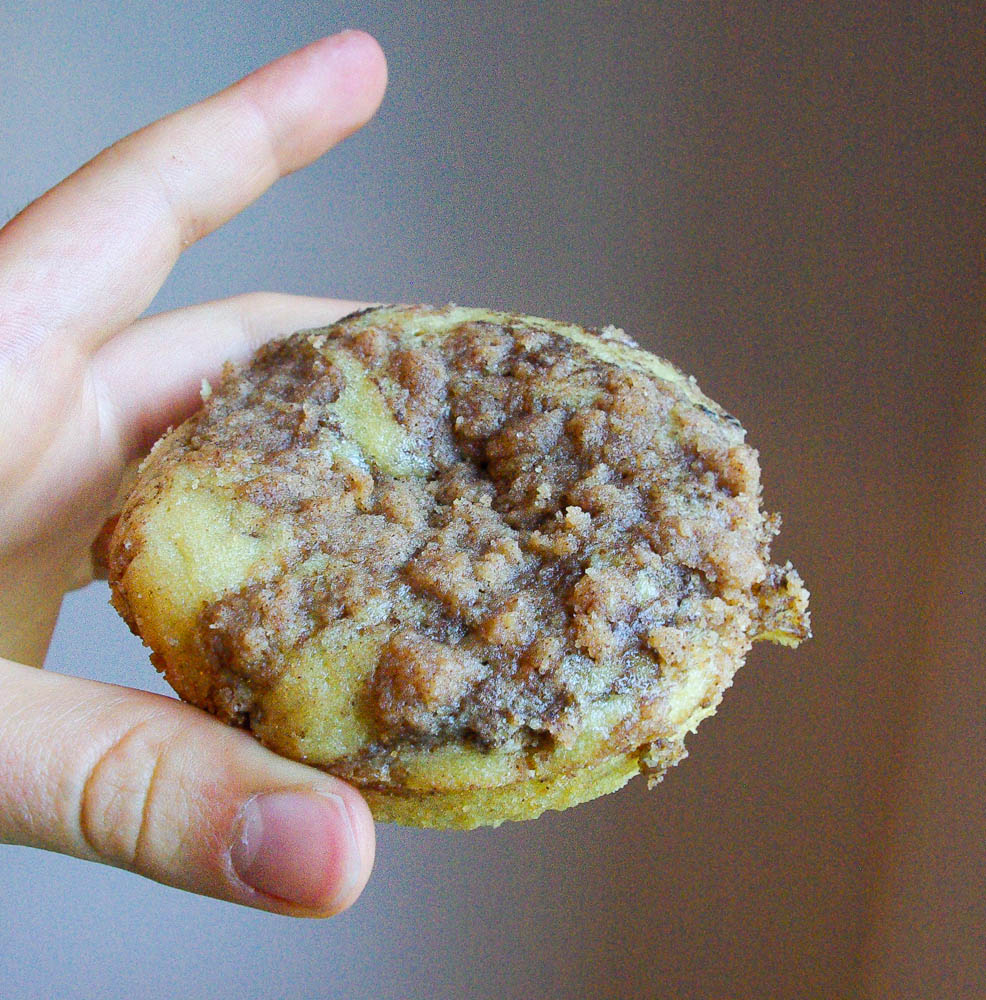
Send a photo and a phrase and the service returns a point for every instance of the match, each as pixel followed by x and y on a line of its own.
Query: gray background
pixel 785 199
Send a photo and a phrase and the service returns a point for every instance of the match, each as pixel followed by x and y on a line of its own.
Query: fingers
pixel 151 375
pixel 87 258
pixel 149 784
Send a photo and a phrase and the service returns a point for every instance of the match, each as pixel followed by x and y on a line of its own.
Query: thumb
pixel 149 784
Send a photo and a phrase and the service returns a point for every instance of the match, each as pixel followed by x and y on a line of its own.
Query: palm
pixel 63 459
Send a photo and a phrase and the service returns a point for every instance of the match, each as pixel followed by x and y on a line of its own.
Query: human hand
pixel 93 770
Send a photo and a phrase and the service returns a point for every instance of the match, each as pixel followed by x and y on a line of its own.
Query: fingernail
pixel 297 846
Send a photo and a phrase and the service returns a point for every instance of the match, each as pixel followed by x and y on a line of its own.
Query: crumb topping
pixel 535 527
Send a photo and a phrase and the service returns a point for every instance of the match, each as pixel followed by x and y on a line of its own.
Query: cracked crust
pixel 479 564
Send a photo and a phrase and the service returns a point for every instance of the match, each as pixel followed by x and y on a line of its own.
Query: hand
pixel 101 772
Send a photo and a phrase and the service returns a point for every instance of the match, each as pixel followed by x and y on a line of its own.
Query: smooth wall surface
pixel 786 200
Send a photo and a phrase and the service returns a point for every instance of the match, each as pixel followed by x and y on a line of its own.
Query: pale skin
pixel 93 770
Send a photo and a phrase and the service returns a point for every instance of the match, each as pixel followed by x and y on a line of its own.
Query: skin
pixel 97 771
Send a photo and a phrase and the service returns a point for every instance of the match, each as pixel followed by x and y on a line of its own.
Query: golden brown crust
pixel 506 553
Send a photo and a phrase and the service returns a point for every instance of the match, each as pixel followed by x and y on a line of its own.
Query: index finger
pixel 86 259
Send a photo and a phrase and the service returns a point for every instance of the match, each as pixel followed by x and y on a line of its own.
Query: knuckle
pixel 256 299
pixel 253 304
pixel 122 793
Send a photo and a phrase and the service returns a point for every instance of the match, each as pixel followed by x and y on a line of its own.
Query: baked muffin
pixel 478 564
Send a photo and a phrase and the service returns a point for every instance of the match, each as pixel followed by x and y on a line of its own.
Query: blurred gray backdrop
pixel 786 200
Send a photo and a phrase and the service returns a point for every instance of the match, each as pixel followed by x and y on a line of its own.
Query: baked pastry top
pixel 478 564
